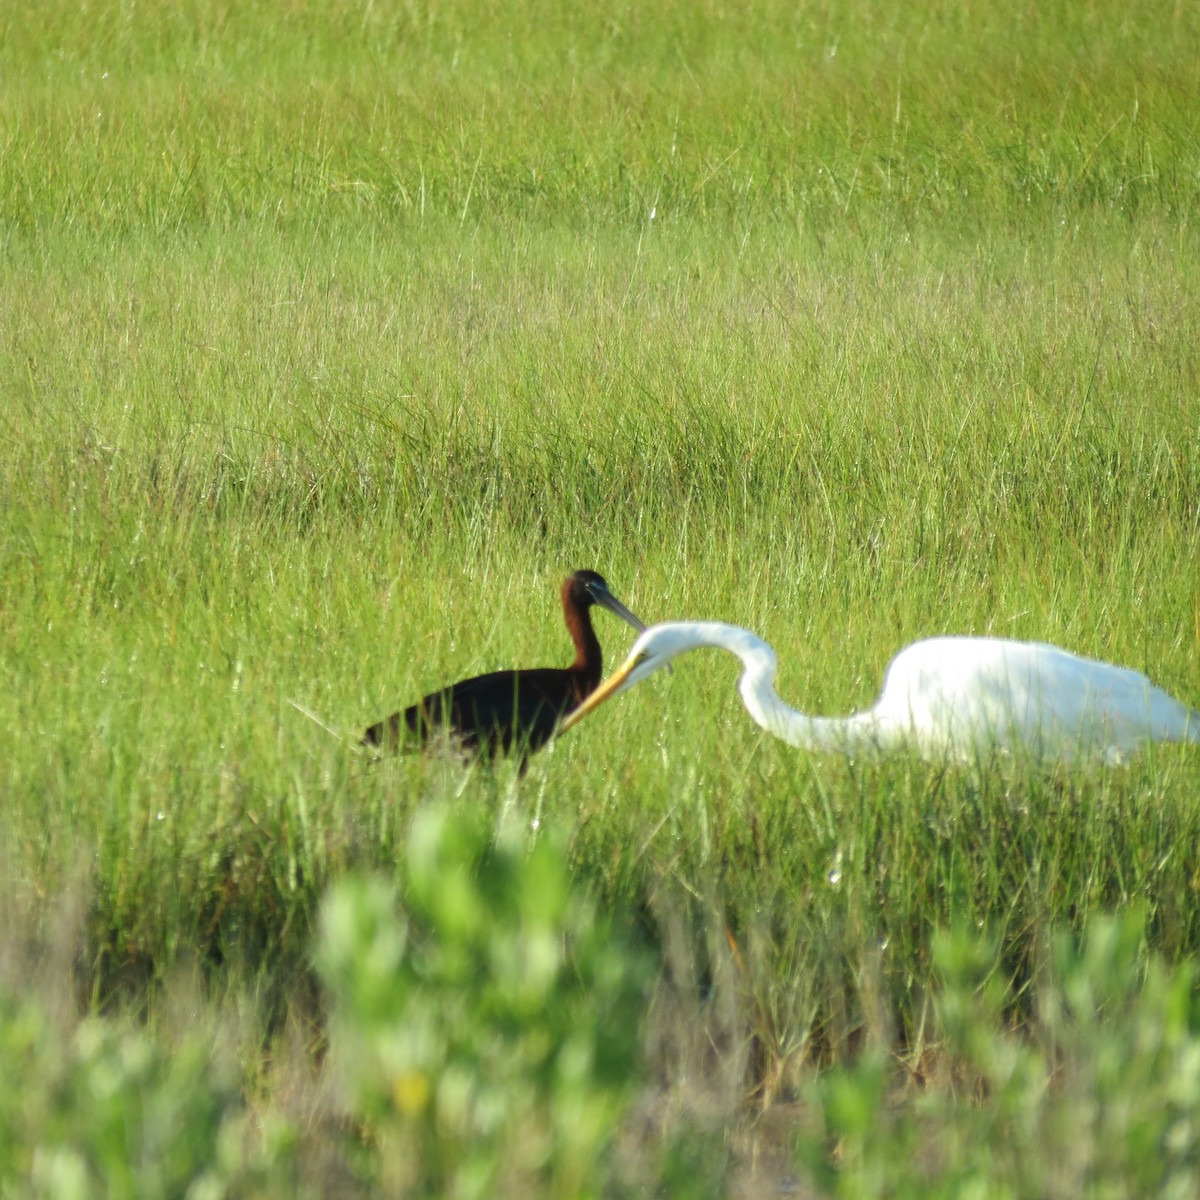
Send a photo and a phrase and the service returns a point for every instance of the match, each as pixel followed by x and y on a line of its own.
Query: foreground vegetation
pixel 336 336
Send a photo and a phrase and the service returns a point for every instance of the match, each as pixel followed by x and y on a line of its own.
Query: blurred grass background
pixel 336 335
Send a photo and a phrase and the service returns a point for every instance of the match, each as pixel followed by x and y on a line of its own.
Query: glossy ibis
pixel 517 710
pixel 948 698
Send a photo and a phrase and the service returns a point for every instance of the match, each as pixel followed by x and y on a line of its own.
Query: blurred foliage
pixel 487 1026
pixel 1100 1097
pixel 111 1111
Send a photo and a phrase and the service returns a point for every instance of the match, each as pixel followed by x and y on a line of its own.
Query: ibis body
pixel 515 710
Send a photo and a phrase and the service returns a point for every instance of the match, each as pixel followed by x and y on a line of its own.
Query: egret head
pixel 653 649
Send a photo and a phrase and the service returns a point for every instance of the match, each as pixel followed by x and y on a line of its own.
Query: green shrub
pixel 1100 1098
pixel 110 1111
pixel 487 1027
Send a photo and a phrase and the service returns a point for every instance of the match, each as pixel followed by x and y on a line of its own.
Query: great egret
pixel 506 710
pixel 949 698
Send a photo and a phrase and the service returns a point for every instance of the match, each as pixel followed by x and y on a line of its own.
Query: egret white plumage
pixel 948 698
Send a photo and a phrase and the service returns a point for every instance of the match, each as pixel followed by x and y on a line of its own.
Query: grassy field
pixel 336 335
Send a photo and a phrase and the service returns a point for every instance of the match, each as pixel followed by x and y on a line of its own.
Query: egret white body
pixel 948 698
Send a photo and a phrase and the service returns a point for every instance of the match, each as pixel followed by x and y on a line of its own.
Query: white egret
pixel 948 698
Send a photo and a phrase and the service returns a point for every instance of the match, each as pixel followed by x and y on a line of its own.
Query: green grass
pixel 335 336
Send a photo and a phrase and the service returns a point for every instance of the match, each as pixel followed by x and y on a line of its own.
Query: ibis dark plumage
pixel 517 710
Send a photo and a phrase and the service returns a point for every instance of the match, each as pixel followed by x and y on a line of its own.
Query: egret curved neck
pixel 857 734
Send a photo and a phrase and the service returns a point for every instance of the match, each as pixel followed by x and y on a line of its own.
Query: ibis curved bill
pixel 948 698
pixel 516 710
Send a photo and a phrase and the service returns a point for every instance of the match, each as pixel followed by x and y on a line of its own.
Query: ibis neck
pixel 589 662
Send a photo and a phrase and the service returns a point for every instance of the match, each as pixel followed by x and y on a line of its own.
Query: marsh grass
pixel 336 336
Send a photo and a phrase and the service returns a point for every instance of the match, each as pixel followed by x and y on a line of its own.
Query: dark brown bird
pixel 516 710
